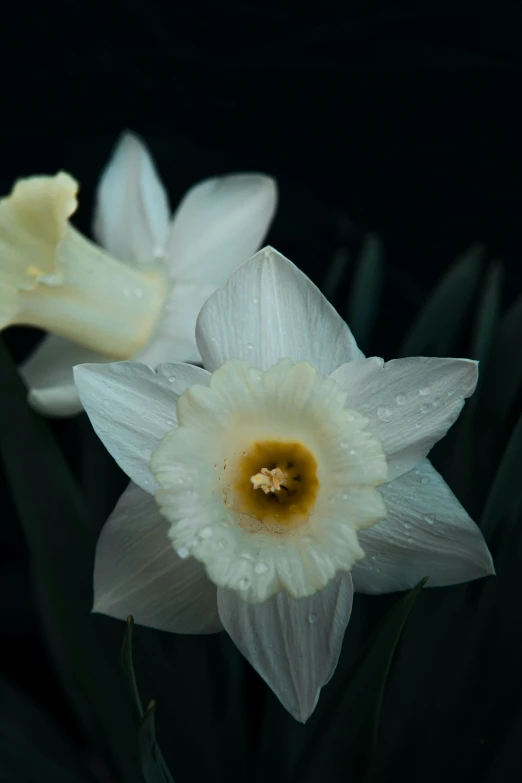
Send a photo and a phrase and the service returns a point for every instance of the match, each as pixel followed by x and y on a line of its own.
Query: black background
pixel 400 118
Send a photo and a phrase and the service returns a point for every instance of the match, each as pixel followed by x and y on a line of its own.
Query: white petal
pixel 426 533
pixel 268 310
pixel 131 407
pixel 410 403
pixel 294 644
pixel 138 572
pixel 174 339
pixel 219 224
pixel 132 210
pixel 48 374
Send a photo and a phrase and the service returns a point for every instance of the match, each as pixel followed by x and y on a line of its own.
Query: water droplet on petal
pixel 350 417
pixel 425 480
pixel 424 391
pixel 312 618
pixel 183 552
pixel 384 414
pixel 401 399
pixel 407 525
pixel 352 452
pixel 451 393
pixel 212 339
pixel 250 347
pixel 244 583
pixel 255 300
pixel 410 541
pixel 436 402
pixel 261 568
pixel 429 521
pixel 172 379
pixel 206 532
pixel 424 408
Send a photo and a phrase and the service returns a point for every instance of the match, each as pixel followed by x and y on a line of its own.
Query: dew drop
pixel 384 414
pixel 425 480
pixel 374 557
pixel 345 496
pixel 350 417
pixel 244 583
pixel 353 452
pixel 424 391
pixel 451 393
pixel 429 521
pixel 418 425
pixel 436 402
pixel 145 481
pixel 172 379
pixel 255 300
pixel 212 339
pixel 344 444
pixel 312 618
pixel 261 568
pixel 183 552
pixel 401 399
pixel 410 541
pixel 206 532
pixel 407 525
pixel 250 347
pixel 424 408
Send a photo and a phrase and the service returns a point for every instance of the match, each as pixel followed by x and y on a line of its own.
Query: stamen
pixel 269 480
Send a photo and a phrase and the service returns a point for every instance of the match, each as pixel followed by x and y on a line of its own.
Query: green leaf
pixel 152 762
pixel 504 505
pixel 32 746
pixel 487 313
pixel 343 730
pixel 59 534
pixel 128 667
pixel 499 391
pixel 460 444
pixel 436 329
pixel 335 274
pixel 362 305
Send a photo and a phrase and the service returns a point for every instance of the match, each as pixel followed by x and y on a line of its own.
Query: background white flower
pixel 219 223
pixel 268 311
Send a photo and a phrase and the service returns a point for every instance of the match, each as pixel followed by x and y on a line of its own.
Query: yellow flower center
pixel 276 483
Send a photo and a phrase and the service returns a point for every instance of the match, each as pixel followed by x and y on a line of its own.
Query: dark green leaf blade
pixel 362 305
pixel 152 762
pixel 348 713
pixel 59 535
pixel 31 741
pixel 436 328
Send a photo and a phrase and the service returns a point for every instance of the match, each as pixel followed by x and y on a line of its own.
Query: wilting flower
pixel 268 486
pixel 142 297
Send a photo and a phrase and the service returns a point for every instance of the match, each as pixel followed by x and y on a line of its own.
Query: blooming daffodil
pixel 139 297
pixel 270 485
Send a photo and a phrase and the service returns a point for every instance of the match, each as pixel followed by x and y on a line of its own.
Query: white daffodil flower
pixel 268 486
pixel 141 298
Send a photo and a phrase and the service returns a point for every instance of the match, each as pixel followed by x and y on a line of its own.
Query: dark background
pixel 399 118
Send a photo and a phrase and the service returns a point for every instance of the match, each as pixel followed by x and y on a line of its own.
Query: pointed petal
pixel 174 339
pixel 132 210
pixel 131 407
pixel 219 224
pixel 294 644
pixel 138 572
pixel 426 533
pixel 48 374
pixel 268 310
pixel 410 403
